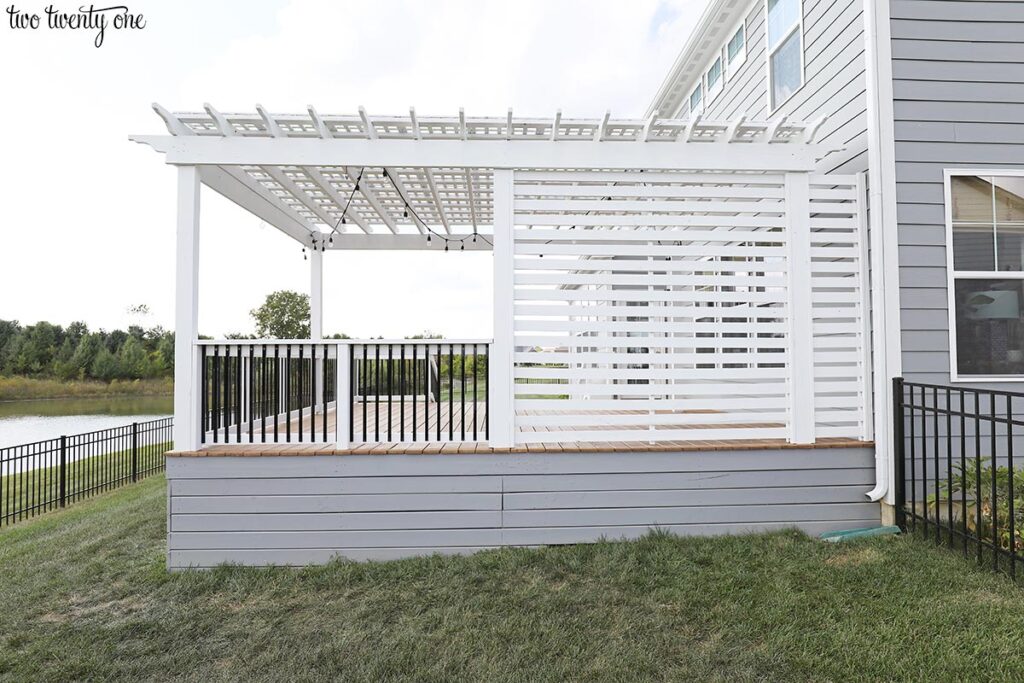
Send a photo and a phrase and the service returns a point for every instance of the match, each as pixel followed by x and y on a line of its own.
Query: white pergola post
pixel 186 316
pixel 316 295
pixel 801 324
pixel 499 377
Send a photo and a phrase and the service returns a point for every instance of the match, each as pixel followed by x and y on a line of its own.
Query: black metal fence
pixel 955 477
pixel 45 475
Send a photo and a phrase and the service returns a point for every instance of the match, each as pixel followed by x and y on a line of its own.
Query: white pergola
pixel 426 182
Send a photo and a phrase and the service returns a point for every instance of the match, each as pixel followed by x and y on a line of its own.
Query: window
pixel 696 99
pixel 736 51
pixel 785 50
pixel 714 78
pixel 986 274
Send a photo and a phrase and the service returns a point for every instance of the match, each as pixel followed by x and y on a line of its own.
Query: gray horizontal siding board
pixel 372 502
pixel 1003 31
pixel 335 485
pixel 957 51
pixel 926 319
pixel 657 516
pixel 954 10
pixel 943 91
pixel 933 235
pixel 925 340
pixel 920 256
pixel 951 153
pixel 684 498
pixel 336 521
pixel 271 540
pixel 297 557
pixel 920 193
pixel 925 299
pixel 922 277
pixel 918 362
pixel 961 131
pixel 967 72
pixel 547 463
pixel 686 480
pixel 966 111
pixel 921 214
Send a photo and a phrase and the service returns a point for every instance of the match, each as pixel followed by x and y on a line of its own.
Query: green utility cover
pixel 849 534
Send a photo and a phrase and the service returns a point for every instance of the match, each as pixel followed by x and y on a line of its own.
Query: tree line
pixel 76 353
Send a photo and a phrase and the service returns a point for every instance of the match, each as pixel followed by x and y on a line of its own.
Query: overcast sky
pixel 87 217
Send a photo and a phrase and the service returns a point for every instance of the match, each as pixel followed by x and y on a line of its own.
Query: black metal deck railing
pixel 382 391
pixel 45 475
pixel 956 480
pixel 421 391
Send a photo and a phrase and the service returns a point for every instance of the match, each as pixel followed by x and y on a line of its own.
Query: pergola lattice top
pixel 307 200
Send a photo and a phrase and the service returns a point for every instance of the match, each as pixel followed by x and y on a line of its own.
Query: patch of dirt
pixel 855 558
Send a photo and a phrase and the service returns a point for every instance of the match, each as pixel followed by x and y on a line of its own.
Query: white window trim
pixel 798 26
pixel 731 68
pixel 951 276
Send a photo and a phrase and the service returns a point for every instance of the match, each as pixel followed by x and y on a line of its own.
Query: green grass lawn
pixel 85 597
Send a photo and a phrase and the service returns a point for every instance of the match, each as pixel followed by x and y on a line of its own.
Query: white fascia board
pixel 387 241
pixel 510 154
pixel 231 188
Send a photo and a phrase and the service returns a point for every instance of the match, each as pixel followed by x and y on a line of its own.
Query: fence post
pixel 63 469
pixel 135 451
pixel 898 456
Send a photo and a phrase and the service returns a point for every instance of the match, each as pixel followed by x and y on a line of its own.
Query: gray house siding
pixel 308 509
pixel 958 97
pixel 834 80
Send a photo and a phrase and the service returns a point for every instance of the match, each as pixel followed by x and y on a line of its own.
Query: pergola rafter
pixel 299 172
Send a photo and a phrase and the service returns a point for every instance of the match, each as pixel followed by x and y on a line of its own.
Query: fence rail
pixel 956 480
pixel 45 475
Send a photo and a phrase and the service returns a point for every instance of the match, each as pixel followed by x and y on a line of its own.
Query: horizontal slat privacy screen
pixel 655 307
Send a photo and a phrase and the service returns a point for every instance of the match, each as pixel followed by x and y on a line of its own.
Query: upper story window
pixel 697 99
pixel 986 274
pixel 714 78
pixel 736 51
pixel 785 50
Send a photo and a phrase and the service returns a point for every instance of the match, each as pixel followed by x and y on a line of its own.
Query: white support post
pixel 501 386
pixel 343 402
pixel 801 324
pixel 186 316
pixel 316 295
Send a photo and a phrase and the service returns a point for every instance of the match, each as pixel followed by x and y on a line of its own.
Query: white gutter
pixel 885 274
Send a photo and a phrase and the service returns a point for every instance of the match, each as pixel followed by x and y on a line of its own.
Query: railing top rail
pixel 959 388
pixel 283 342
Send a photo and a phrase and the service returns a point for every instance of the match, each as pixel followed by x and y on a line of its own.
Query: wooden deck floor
pixel 426 439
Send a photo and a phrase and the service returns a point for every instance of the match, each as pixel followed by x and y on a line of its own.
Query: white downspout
pixel 884 238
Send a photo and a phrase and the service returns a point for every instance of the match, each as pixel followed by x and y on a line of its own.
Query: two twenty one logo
pixel 91 18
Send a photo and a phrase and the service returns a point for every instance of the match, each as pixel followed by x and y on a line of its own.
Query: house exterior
pixel 698 316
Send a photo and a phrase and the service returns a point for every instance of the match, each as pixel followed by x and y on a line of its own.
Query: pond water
pixel 27 421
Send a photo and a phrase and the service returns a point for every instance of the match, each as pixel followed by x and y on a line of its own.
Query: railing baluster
pixel 995 502
pixel 415 389
pixel 362 378
pixel 299 394
pixel 913 467
pixel 451 391
pixel 949 465
pixel 251 379
pixel 391 389
pixel 376 394
pixel 462 395
pixel 977 470
pixel 1009 483
pixel 935 437
pixel 215 417
pixel 963 467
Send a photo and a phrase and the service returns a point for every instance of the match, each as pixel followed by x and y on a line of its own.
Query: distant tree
pixel 284 315
pixel 338 335
pixel 165 352
pixel 85 354
pixel 132 359
pixel 76 331
pixel 113 340
pixel 38 344
pixel 105 366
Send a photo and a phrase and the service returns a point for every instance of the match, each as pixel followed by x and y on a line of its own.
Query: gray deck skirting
pixel 308 509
